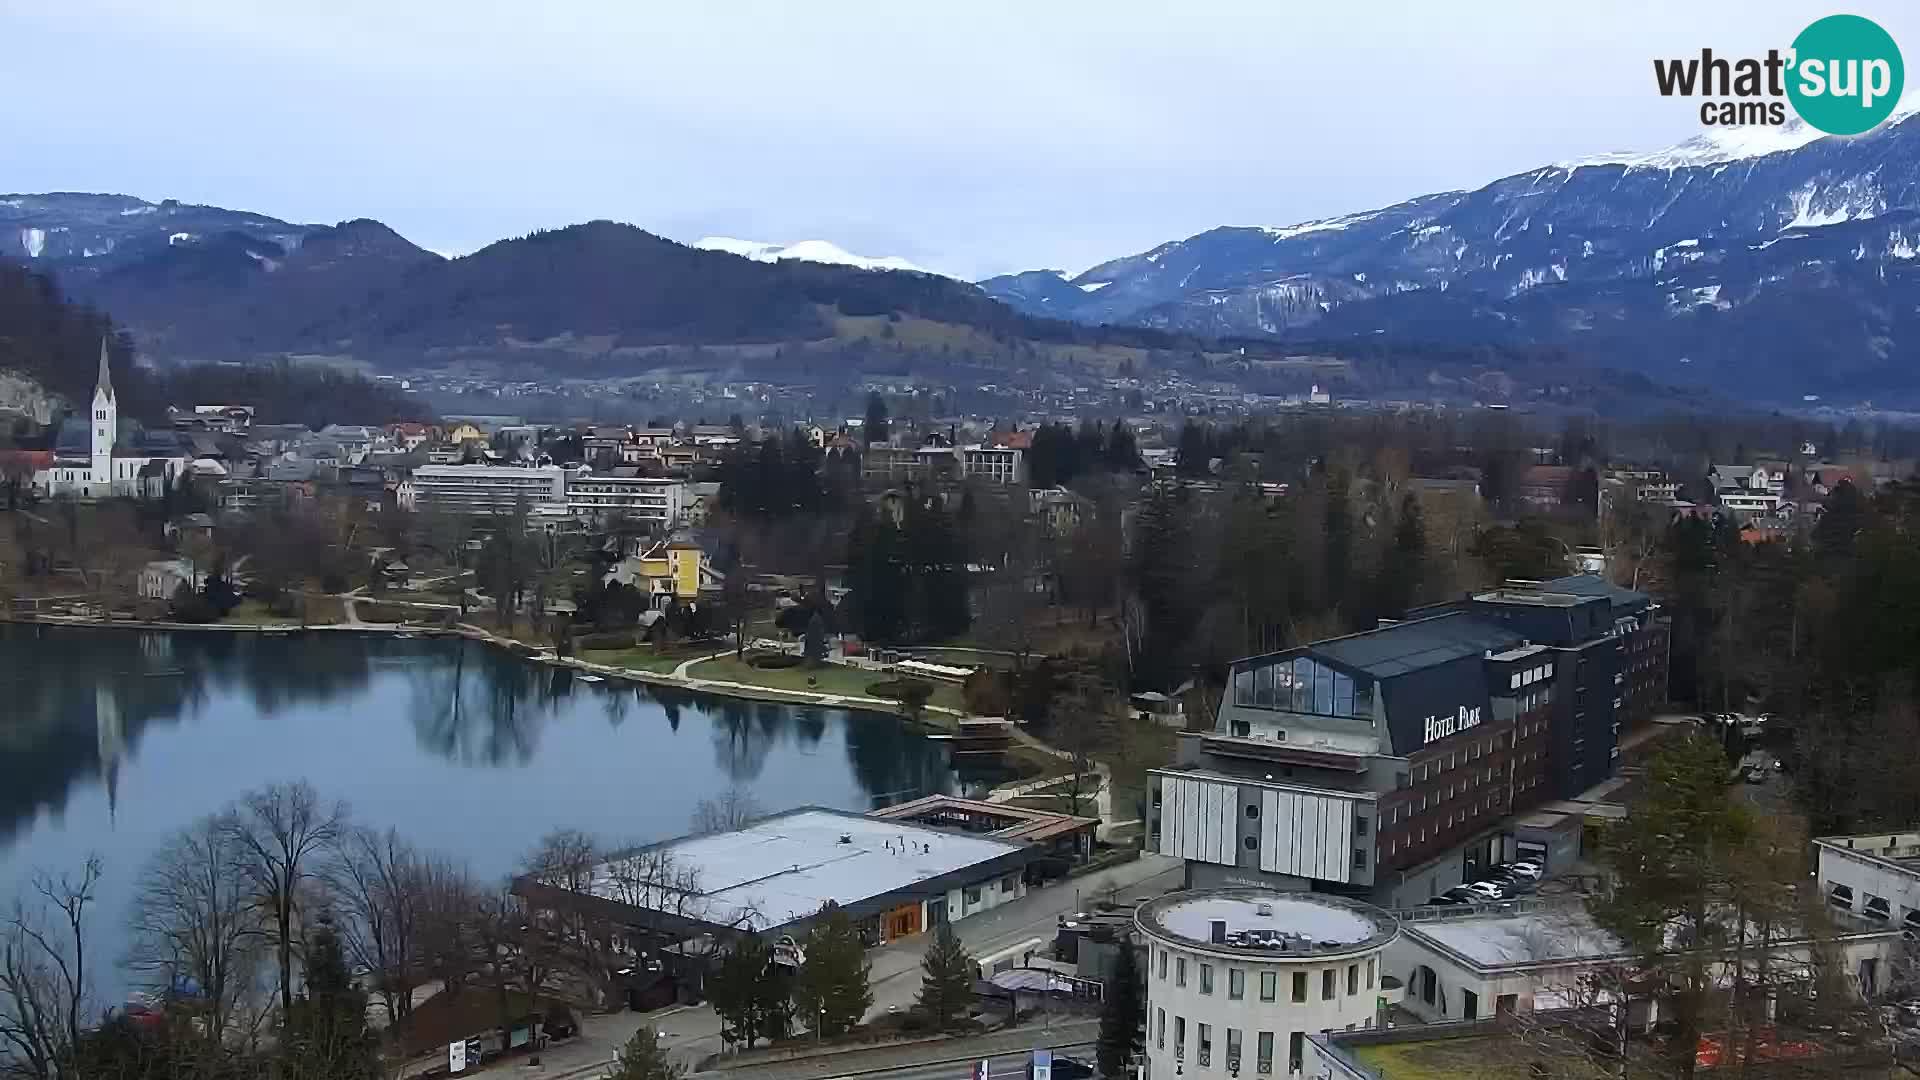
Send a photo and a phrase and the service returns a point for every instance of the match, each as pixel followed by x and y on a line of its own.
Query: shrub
pixel 774 661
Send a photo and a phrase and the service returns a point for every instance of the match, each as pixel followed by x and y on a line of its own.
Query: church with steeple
pixel 110 469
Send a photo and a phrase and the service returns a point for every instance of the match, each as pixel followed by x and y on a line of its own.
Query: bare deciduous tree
pixel 380 883
pixel 44 989
pixel 196 918
pixel 731 810
pixel 283 829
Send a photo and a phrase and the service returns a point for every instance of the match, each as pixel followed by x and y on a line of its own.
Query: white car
pixel 1487 891
pixel 1526 870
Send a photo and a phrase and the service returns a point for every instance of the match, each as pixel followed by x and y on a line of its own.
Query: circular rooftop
pixel 1266 923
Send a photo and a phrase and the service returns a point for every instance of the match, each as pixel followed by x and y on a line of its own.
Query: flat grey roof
pixel 1556 935
pixel 786 867
pixel 1329 924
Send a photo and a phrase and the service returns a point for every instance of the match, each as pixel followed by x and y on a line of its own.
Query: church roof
pixel 104 383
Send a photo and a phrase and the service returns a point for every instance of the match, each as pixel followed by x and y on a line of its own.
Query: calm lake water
pixel 111 739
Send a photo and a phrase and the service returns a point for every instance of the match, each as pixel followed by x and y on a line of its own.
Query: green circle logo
pixel 1846 76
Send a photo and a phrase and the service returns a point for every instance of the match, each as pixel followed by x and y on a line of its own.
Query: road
pixel 691 1033
pixel 1003 1067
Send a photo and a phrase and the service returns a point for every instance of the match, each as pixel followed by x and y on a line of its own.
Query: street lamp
pixel 819 1023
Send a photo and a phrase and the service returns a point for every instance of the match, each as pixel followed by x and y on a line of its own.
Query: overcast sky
pixel 974 137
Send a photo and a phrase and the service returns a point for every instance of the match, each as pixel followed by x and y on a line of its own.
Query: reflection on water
pixel 109 739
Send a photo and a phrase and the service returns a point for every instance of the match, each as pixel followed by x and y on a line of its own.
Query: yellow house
pixel 464 432
pixel 679 568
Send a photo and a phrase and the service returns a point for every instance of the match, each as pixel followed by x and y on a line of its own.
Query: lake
pixel 111 739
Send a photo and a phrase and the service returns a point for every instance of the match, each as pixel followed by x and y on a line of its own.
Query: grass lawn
pixel 646 658
pixel 255 613
pixel 828 679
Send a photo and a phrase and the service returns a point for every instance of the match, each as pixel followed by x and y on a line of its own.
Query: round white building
pixel 1237 979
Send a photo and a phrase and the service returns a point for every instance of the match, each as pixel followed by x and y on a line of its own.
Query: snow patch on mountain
pixel 34 241
pixel 818 251
pixel 1095 286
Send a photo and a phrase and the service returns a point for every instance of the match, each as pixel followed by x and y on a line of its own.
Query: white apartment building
pixel 1874 876
pixel 649 498
pixel 994 464
pixel 484 489
pixel 1237 979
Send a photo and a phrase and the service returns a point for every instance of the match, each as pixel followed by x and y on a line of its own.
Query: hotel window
pixel 1160 1029
pixel 1369 973
pixel 1180 971
pixel 1328 985
pixel 1206 1044
pixel 1294 1048
pixel 1353 979
pixel 1233 1050
pixel 1163 963
pixel 1359 826
pixel 1514 683
pixel 1269 985
pixel 1264 1047
pixel 1299 986
pixel 1206 978
pixel 1179 1036
pixel 1236 984
pixel 1359 858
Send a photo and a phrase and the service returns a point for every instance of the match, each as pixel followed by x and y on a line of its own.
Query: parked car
pixel 1487 891
pixel 1527 871
pixel 1756 774
pixel 1066 1068
pixel 1463 895
pixel 1443 900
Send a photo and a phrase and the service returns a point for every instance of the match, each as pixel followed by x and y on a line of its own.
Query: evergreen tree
pixel 326 1036
pixel 1674 861
pixel 876 429
pixel 1121 1015
pixel 832 993
pixel 1339 538
pixel 946 986
pixel 1405 566
pixel 736 990
pixel 643 1058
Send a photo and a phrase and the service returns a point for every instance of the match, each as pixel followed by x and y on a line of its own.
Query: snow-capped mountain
pixel 820 251
pixel 1775 256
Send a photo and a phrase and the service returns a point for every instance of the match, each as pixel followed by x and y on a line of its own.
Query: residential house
pixel 678 568
pixel 161 579
pixel 1747 490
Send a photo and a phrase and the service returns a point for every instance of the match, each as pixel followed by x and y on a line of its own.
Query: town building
pixel 677 568
pixel 112 467
pixel 892 878
pixel 993 464
pixel 1466 963
pixel 221 418
pixel 484 489
pixel 1062 835
pixel 1238 979
pixel 623 491
pixel 1875 876
pixel 1390 764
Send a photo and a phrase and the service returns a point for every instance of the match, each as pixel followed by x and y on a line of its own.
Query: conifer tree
pixel 326 1036
pixel 643 1058
pixel 832 992
pixel 946 986
pixel 1120 1016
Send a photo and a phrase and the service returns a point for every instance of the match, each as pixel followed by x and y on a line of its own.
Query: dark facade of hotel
pixel 1393 762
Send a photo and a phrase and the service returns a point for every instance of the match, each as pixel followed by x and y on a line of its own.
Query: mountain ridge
pixel 1633 251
